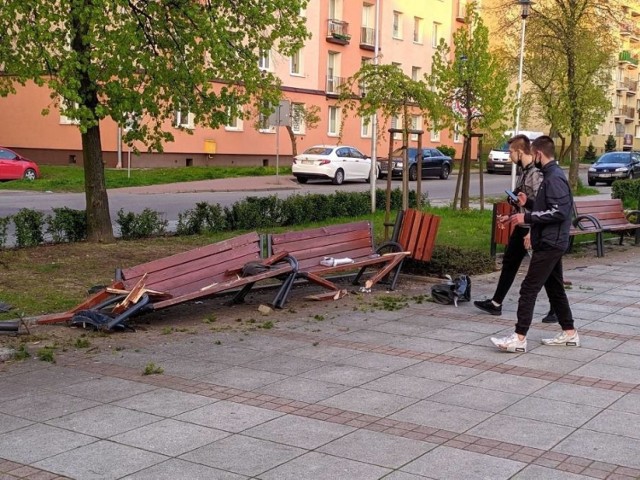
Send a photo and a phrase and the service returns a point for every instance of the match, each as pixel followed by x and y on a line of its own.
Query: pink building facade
pixel 343 33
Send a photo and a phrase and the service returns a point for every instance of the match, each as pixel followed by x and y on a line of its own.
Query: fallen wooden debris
pixel 134 295
pixel 334 295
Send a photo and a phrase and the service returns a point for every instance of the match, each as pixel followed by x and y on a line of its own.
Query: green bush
pixel 590 154
pixel 451 151
pixel 4 230
pixel 255 212
pixel 67 225
pixel 28 225
pixel 452 260
pixel 206 217
pixel 145 224
pixel 610 144
pixel 628 191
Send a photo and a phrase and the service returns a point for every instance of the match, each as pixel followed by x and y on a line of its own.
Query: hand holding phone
pixel 513 198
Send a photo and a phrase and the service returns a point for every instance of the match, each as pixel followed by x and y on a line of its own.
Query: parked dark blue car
pixel 434 164
pixel 614 165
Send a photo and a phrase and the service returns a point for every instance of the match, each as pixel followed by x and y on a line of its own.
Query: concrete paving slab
pixel 408 328
pixel 342 374
pixel 36 442
pixel 439 415
pixel 368 402
pixel 104 421
pixel 545 363
pixel 579 394
pixel 45 406
pixel 132 359
pixel 603 447
pixel 305 390
pixel 506 383
pixel 231 355
pixel 165 402
pixel 176 469
pixel 522 431
pixel 424 344
pixel 243 455
pixel 553 411
pixel 378 361
pixel 630 403
pixel 301 432
pixel 317 466
pixel 450 464
pixel 228 416
pixel 53 377
pixel 631 347
pixel 102 460
pixel 415 387
pixel 441 372
pixel 9 422
pixel 582 355
pixel 609 372
pixel 476 398
pixel 285 364
pixel 377 448
pixel 170 437
pixel 105 389
pixel 398 475
pixel 242 378
pixel 536 472
pixel 325 353
pixel 617 423
pixel 190 368
pixel 627 360
pixel 11 390
pixel 371 336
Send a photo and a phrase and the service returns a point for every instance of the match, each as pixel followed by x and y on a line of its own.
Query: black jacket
pixel 550 211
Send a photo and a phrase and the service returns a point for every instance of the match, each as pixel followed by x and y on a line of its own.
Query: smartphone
pixel 512 197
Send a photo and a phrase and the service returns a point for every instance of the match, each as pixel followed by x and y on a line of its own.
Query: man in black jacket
pixel 550 219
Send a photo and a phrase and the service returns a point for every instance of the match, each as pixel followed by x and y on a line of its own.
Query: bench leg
pixel 570 249
pixel 356 281
pixel 239 297
pixel 599 244
pixel 396 274
pixel 281 297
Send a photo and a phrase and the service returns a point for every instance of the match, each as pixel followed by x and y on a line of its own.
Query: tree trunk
pixel 99 227
pixel 466 168
pixel 456 195
pixel 294 143
pixel 574 110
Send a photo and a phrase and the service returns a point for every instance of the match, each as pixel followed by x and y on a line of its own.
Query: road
pixel 440 192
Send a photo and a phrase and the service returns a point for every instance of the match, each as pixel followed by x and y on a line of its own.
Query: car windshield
pixel 614 158
pixel 319 150
pixel 503 147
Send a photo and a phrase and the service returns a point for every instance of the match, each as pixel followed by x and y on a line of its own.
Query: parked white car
pixel 334 162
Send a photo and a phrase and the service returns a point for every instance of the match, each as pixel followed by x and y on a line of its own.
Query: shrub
pixel 451 151
pixel 451 260
pixel 145 224
pixel 590 154
pixel 67 225
pixel 28 225
pixel 255 212
pixel 628 191
pixel 206 217
pixel 610 144
pixel 4 230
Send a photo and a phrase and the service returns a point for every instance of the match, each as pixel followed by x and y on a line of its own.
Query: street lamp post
pixel 526 8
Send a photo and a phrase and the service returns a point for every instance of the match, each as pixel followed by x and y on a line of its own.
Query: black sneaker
pixel 550 318
pixel 488 306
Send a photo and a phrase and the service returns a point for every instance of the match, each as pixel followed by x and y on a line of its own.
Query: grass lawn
pixel 71 178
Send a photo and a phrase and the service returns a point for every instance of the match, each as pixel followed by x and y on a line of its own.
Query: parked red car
pixel 14 166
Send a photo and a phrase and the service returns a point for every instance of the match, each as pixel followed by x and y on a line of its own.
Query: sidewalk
pixel 236 184
pixel 354 393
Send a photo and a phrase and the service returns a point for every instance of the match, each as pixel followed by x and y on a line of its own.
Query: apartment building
pixel 343 33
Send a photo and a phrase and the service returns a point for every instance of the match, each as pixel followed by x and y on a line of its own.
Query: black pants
pixel 513 255
pixel 545 270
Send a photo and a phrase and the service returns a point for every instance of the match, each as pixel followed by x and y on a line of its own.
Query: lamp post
pixel 526 8
pixel 374 120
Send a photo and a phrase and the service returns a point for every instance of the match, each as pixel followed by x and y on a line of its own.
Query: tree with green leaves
pixel 144 60
pixel 473 85
pixel 610 144
pixel 386 91
pixel 307 115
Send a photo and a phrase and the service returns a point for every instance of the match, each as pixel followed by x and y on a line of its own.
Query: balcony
pixel 462 10
pixel 626 58
pixel 625 113
pixel 333 85
pixel 367 38
pixel 632 87
pixel 338 32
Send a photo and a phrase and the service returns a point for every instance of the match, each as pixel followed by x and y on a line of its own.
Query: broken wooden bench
pixel 194 274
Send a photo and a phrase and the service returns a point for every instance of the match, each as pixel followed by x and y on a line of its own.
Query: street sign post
pixel 281 117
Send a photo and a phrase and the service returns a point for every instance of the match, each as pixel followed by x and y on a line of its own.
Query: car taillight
pixel 325 162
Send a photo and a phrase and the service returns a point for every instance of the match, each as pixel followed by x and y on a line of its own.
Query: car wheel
pixel 592 183
pixel 302 179
pixel 29 174
pixel 413 173
pixel 446 170
pixel 339 177
pixel 368 179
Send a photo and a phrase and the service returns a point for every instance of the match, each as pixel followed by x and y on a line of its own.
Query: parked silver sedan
pixel 333 162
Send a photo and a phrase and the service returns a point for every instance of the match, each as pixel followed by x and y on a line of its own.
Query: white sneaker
pixel 511 343
pixel 563 339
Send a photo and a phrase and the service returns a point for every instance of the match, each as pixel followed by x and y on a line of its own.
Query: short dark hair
pixel 545 145
pixel 520 142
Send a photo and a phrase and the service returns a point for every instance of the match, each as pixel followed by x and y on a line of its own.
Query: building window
pixel 435 35
pixel 396 122
pixel 397 25
pixel 366 127
pixel 65 106
pixel 417 30
pixel 435 135
pixel 333 72
pixel 183 118
pixel 415 73
pixel 416 124
pixel 235 123
pixel 334 121
pixel 457 137
pixel 297 118
pixel 264 62
pixel 296 63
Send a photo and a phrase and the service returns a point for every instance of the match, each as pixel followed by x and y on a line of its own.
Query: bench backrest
pixel 418 232
pixel 347 240
pixel 190 271
pixel 607 212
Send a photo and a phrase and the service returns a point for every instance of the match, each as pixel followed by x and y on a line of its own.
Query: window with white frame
pixel 235 122
pixel 183 118
pixel 333 72
pixel 366 127
pixel 435 135
pixel 435 34
pixel 397 64
pixel 64 106
pixel 297 118
pixel 264 62
pixel 334 121
pixel 295 63
pixel 457 137
pixel 415 73
pixel 416 124
pixel 396 122
pixel 397 25
pixel 417 30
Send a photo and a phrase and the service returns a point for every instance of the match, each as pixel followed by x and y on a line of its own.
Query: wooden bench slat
pixel 333 242
pixel 278 238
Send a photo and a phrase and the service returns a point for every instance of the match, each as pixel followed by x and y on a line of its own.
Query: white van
pixel 498 160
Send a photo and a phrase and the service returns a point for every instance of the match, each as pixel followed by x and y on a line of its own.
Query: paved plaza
pixel 355 394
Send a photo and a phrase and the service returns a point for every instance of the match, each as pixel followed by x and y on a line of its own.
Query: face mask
pixel 537 162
